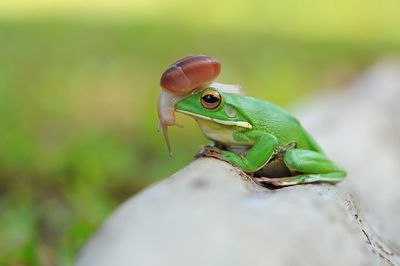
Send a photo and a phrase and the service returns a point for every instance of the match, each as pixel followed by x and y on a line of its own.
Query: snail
pixel 184 77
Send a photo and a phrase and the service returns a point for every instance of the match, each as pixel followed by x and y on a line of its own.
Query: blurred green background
pixel 79 88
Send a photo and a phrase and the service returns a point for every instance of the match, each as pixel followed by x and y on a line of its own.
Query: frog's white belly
pixel 220 133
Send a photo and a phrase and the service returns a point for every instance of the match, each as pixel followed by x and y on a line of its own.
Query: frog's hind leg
pixel 311 167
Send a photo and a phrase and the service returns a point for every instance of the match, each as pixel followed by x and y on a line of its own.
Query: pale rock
pixel 209 213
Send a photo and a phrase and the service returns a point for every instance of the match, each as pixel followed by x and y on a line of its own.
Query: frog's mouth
pixel 243 124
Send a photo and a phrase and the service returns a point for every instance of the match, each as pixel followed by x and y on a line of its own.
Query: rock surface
pixel 208 213
pixel 360 129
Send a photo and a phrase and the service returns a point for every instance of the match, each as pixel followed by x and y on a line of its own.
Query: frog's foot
pixel 208 151
pixel 300 179
pixel 211 151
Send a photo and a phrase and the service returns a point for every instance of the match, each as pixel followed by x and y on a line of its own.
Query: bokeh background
pixel 79 88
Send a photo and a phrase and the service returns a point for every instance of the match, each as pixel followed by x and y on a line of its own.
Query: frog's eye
pixel 210 99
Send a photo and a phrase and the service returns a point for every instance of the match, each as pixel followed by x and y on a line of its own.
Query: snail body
pixel 184 77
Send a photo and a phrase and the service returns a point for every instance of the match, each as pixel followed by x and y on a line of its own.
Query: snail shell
pixel 190 72
pixel 178 82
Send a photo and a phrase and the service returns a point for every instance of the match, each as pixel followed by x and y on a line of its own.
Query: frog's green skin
pixel 276 146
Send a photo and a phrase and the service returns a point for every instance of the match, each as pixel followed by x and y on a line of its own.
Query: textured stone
pixel 360 129
pixel 208 213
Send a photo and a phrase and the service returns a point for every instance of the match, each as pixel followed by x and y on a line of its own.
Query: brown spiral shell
pixel 190 72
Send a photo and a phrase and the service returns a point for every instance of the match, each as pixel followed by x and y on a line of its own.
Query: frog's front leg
pixel 262 150
pixel 312 167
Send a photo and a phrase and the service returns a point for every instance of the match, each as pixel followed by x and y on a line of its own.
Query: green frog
pixel 260 138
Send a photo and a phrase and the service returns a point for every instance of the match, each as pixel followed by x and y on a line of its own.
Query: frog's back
pixel 273 119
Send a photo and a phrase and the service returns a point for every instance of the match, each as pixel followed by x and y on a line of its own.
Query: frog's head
pixel 212 105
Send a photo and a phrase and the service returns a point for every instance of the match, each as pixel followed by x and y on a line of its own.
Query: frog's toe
pixel 213 152
pixel 208 151
pixel 212 149
pixel 279 182
pixel 301 179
